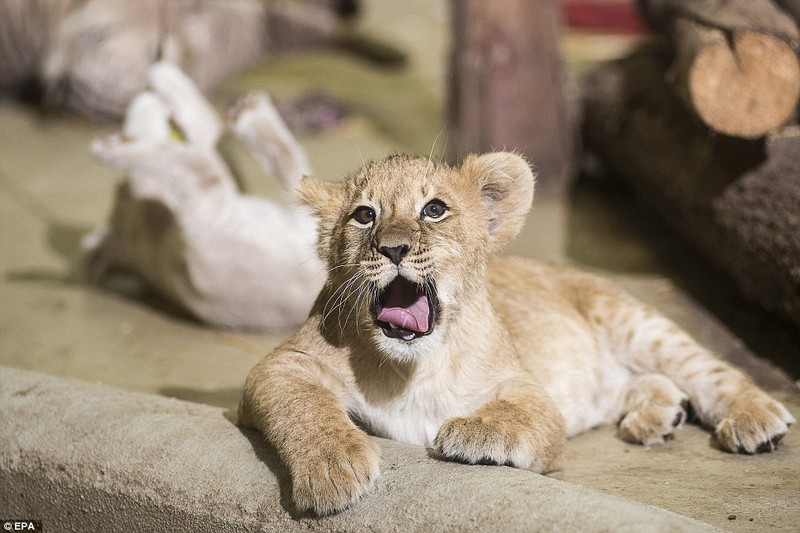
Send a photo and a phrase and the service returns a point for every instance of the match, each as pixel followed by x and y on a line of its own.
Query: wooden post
pixel 507 84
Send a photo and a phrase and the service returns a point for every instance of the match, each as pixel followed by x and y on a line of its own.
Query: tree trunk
pixel 507 84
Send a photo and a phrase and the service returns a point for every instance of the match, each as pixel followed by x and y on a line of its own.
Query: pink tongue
pixel 406 313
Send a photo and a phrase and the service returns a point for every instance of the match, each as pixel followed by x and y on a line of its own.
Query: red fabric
pixel 619 16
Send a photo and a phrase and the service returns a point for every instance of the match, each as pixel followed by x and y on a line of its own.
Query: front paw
pixel 755 424
pixel 504 435
pixel 335 473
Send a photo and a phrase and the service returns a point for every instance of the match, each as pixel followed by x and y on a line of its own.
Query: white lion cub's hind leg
pixel 653 408
pixel 256 121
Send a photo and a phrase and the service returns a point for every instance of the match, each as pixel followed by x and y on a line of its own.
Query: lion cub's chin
pixel 408 351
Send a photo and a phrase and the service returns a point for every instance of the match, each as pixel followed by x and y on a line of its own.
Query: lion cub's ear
pixel 325 199
pixel 322 196
pixel 506 188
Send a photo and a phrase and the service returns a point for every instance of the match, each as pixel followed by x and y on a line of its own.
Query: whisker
pixel 354 307
pixel 332 299
pixel 345 265
pixel 433 148
pixel 344 290
pixel 443 153
pixel 361 156
pixel 345 296
pixel 366 288
pixel 343 293
pixel 357 291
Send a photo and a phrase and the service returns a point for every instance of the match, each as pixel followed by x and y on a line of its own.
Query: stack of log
pixel 703 122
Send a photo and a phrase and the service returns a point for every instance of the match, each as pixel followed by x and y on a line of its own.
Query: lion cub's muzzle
pixel 406 310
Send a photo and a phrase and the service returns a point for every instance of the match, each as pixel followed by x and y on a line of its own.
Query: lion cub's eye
pixel 363 215
pixel 434 209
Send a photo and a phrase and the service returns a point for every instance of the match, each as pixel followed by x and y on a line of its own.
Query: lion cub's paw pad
pixel 337 474
pixel 756 427
pixel 654 424
pixel 478 440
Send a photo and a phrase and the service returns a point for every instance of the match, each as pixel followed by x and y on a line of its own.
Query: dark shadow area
pixel 611 229
pixel 228 399
pixel 432 453
pixel 120 284
pixel 64 239
pixel 269 456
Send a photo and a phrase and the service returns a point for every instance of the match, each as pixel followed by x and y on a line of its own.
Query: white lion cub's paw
pixel 192 114
pixel 335 473
pixel 755 423
pixel 502 434
pixel 257 122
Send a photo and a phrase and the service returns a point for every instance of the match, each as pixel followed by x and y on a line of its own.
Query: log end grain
pixel 746 86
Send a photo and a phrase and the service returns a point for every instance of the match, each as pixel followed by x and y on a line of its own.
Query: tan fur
pixel 521 355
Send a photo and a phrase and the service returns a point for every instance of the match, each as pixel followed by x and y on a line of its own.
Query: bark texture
pixel 508 86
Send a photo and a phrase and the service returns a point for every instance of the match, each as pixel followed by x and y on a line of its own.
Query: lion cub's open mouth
pixel 405 310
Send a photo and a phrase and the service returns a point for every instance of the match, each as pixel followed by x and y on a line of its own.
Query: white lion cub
pixel 180 222
pixel 421 337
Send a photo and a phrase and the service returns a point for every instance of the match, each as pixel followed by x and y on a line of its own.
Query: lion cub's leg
pixel 146 123
pixel 522 427
pixel 744 417
pixel 189 109
pixel 293 400
pixel 653 408
pixel 256 121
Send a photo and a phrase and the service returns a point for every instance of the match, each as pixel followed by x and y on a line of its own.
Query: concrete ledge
pixel 83 457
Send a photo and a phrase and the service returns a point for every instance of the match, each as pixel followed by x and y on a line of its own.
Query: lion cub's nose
pixel 394 253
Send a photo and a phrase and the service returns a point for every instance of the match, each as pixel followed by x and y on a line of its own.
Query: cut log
pixel 735 63
pixel 735 200
pixel 507 85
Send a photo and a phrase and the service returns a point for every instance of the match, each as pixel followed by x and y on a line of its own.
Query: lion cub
pixel 418 336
